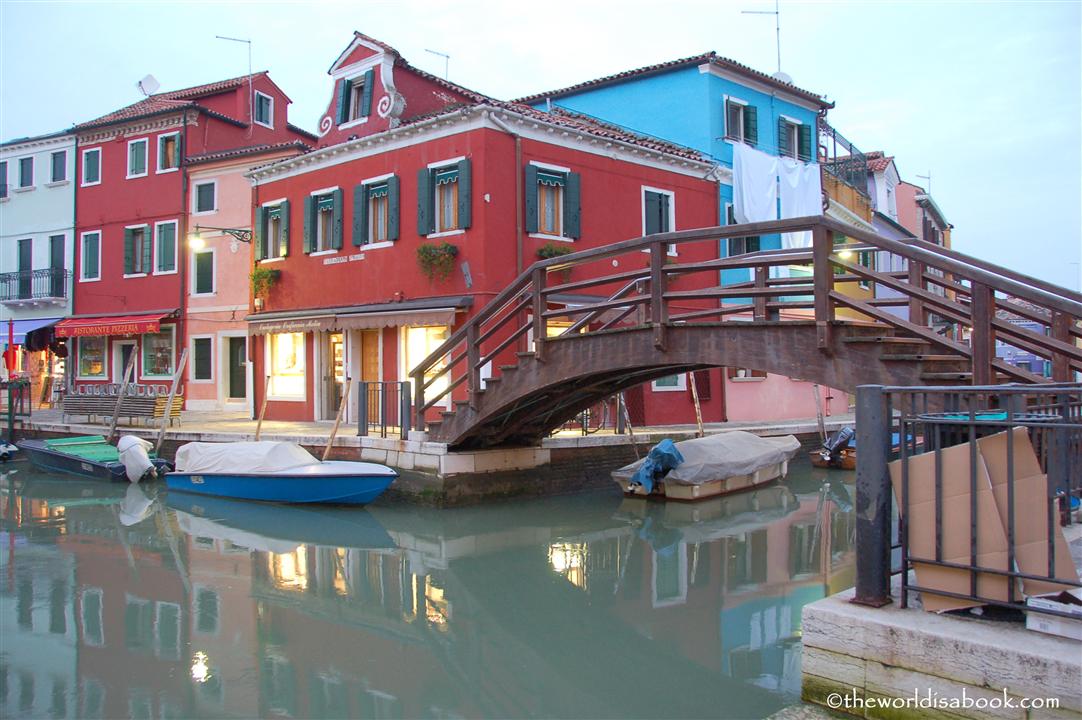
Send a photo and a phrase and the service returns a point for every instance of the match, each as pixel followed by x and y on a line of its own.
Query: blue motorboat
pixel 275 472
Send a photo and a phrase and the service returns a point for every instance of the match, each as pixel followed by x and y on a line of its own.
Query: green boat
pixel 88 456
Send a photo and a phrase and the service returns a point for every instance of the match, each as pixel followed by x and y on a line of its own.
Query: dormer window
pixel 264 110
pixel 355 98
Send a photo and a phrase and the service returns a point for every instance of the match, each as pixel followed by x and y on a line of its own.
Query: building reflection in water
pixel 538 608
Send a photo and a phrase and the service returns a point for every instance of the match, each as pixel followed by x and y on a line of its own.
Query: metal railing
pixel 929 448
pixel 34 284
pixel 384 408
pixel 842 159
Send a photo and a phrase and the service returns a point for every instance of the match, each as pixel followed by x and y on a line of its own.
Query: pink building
pixel 218 294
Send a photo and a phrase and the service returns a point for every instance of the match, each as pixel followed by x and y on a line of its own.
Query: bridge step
pixel 956 376
pixel 921 357
pixel 507 368
pixel 887 340
pixel 526 355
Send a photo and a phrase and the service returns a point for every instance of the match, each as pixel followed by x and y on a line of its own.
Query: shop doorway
pixel 236 368
pixel 370 370
pixel 122 352
pixel 334 374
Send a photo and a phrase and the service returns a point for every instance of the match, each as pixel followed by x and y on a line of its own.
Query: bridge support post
pixel 916 305
pixel 659 316
pixel 540 325
pixel 759 312
pixel 983 337
pixel 873 497
pixel 1061 330
pixel 473 360
pixel 419 400
pixel 822 247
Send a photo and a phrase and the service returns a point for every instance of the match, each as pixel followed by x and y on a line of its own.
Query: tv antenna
pixel 446 60
pixel 251 90
pixel 776 12
pixel 927 177
pixel 148 85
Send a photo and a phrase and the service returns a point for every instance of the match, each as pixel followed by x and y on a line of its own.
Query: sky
pixel 985 97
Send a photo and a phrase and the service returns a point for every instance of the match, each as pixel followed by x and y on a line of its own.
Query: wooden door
pixel 370 370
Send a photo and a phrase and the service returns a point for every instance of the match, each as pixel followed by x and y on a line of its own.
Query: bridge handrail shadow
pixel 952 301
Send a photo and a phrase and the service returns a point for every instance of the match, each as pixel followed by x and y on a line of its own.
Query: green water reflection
pixel 119 601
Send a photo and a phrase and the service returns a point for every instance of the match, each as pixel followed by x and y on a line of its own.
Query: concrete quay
pixel 429 472
pixel 886 655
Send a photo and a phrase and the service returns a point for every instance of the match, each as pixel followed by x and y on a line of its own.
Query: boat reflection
pixel 121 603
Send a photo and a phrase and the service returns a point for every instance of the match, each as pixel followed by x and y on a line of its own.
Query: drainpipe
pixel 182 255
pixel 69 363
pixel 518 191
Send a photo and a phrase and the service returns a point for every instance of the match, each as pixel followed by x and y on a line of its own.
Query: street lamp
pixel 239 235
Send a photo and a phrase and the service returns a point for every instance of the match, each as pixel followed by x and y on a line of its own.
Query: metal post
pixel 404 416
pixel 362 408
pixel 873 498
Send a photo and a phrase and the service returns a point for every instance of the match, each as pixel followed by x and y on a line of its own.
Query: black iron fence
pixel 34 284
pixel 962 491
pixel 383 408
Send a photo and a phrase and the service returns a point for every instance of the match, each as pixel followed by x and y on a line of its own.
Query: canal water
pixel 129 602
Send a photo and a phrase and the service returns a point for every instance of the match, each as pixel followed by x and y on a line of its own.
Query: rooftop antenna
pixel 446 60
pixel 251 90
pixel 148 85
pixel 776 12
pixel 927 177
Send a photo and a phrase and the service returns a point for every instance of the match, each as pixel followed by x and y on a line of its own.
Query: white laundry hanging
pixel 800 192
pixel 755 185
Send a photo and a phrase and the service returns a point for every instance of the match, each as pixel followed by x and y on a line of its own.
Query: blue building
pixel 708 103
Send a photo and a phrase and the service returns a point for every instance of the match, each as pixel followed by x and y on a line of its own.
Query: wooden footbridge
pixel 854 308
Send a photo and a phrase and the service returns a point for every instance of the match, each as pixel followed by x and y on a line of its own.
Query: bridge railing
pixel 959 304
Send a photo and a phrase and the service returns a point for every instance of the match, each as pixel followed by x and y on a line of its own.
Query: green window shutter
pixel 425 202
pixel 464 194
pixel 751 125
pixel 392 207
pixel 309 223
pixel 260 232
pixel 336 237
pixel 663 212
pixel 532 189
pixel 366 93
pixel 283 219
pixel 805 142
pixel 167 248
pixel 91 256
pixel 204 272
pixel 783 137
pixel 573 206
pixel 342 111
pixel 360 214
pixel 653 212
pixel 148 243
pixel 201 363
pixel 176 150
pixel 129 251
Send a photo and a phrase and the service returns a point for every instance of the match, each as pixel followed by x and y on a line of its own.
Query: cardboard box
pixel 1031 504
pixel 1053 624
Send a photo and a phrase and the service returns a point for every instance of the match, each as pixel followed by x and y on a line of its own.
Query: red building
pixel 133 202
pixel 422 201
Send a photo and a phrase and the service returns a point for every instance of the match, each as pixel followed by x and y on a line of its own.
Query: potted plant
pixel 437 260
pixel 263 279
pixel 552 250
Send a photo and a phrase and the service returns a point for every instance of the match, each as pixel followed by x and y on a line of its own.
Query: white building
pixel 37 214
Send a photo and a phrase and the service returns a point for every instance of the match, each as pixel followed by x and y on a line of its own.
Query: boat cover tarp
pixel 720 456
pixel 241 457
pixel 662 458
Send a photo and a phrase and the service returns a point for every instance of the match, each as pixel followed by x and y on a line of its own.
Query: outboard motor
pixel 6 451
pixel 135 458
pixel 832 448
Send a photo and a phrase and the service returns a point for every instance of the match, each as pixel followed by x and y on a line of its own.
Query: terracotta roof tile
pixel 710 57
pixel 169 102
pixel 877 161
pixel 251 150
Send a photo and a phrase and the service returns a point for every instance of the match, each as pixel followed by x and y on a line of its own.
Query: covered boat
pixel 90 456
pixel 708 466
pixel 275 472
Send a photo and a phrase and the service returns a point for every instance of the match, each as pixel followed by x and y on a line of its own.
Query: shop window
pixel 158 354
pixel 420 343
pixel 92 357
pixel 287 362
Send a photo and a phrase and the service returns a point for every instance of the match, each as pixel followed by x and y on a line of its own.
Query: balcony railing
pixel 43 284
pixel 842 159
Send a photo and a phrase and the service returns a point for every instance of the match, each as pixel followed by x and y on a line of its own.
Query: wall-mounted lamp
pixel 239 235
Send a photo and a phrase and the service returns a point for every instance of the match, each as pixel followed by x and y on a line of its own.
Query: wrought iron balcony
pixel 31 287
pixel 842 159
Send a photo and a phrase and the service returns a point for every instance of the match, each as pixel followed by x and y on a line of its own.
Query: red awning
pixel 116 325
